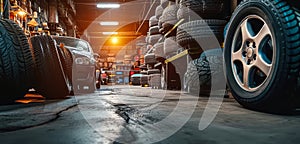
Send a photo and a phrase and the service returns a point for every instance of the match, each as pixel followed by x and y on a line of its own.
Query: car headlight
pixel 82 61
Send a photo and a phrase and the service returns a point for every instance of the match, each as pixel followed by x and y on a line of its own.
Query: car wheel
pixel 262 55
pixel 16 62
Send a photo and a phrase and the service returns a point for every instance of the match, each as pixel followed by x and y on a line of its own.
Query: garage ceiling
pixel 132 16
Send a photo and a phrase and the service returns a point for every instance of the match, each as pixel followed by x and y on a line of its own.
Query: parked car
pixel 84 63
pixel 135 79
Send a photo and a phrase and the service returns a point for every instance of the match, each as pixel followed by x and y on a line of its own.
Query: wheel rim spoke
pixel 246 72
pixel 237 55
pixel 264 31
pixel 245 31
pixel 263 66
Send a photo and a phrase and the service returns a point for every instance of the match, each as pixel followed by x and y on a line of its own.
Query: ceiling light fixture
pixel 109 33
pixel 109 23
pixel 108 5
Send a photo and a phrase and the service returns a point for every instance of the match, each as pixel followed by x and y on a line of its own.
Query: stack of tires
pixel 166 13
pixel 201 31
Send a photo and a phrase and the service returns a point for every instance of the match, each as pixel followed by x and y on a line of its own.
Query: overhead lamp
pixel 109 33
pixel 109 23
pixel 108 5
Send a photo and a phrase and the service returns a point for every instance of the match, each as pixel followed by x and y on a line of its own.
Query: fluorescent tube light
pixel 108 5
pixel 109 33
pixel 109 23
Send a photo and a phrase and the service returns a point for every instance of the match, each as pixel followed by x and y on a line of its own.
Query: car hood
pixel 76 52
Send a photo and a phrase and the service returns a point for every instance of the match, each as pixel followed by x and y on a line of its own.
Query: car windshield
pixel 74 43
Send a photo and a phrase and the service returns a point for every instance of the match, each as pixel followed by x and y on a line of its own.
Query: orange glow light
pixel 114 40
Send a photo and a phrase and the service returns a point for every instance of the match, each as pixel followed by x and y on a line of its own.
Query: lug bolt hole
pixel 254 45
pixel 248 62
pixel 244 53
pixel 247 43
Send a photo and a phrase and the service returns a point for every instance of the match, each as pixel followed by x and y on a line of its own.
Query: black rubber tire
pixel 150 58
pixel 200 72
pixel 68 59
pixel 169 14
pixel 169 18
pixel 159 51
pixel 153 71
pixel 278 92
pixel 16 62
pixel 170 46
pixel 200 34
pixel 206 9
pixel 51 81
pixel 153 39
pixel 67 62
pixel 153 21
pixel 165 3
pixel 168 29
pixel 158 11
pixel 154 30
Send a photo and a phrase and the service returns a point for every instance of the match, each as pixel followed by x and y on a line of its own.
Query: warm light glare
pixel 109 33
pixel 108 5
pixel 114 40
pixel 109 23
pixel 21 13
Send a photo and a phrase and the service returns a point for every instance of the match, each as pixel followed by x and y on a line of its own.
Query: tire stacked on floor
pixel 170 79
pixel 16 62
pixel 201 31
pixel 52 68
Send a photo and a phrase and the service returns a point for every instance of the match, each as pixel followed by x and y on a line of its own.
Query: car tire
pixel 153 71
pixel 199 35
pixel 51 81
pixel 170 46
pixel 158 11
pixel 66 60
pixel 153 21
pixel 154 30
pixel 199 74
pixel 206 9
pixel 16 62
pixel 169 18
pixel 153 39
pixel 269 83
pixel 166 3
pixel 159 51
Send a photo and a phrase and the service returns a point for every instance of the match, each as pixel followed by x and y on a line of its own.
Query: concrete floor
pixel 134 114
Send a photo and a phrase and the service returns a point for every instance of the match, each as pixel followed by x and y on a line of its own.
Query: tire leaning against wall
pixel 15 62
